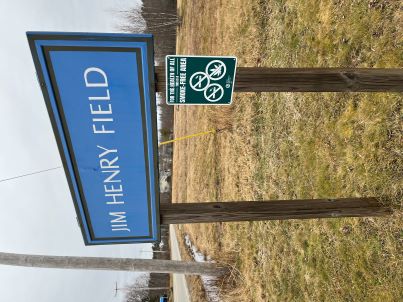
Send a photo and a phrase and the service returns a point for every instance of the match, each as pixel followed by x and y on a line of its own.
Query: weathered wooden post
pixel 113 264
pixel 265 79
pixel 178 213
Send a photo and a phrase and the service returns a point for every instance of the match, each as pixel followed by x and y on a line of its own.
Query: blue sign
pixel 99 91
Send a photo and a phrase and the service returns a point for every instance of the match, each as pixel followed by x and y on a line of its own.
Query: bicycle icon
pixel 200 81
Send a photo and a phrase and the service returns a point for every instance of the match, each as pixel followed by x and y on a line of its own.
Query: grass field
pixel 297 145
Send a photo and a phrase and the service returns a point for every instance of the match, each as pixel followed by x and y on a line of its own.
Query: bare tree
pixel 141 290
pixel 158 17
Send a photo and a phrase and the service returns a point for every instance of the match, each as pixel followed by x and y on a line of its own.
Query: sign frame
pixel 40 44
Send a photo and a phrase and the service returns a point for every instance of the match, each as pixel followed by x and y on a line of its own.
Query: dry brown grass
pixel 194 284
pixel 285 145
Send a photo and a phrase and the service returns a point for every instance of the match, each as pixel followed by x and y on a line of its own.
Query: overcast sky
pixel 37 214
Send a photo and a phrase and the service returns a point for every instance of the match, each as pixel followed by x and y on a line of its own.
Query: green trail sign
pixel 199 80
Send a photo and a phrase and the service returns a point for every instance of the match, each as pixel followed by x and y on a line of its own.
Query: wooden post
pixel 114 264
pixel 263 79
pixel 177 213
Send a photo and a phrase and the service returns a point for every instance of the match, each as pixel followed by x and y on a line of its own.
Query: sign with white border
pixel 199 80
pixel 100 94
